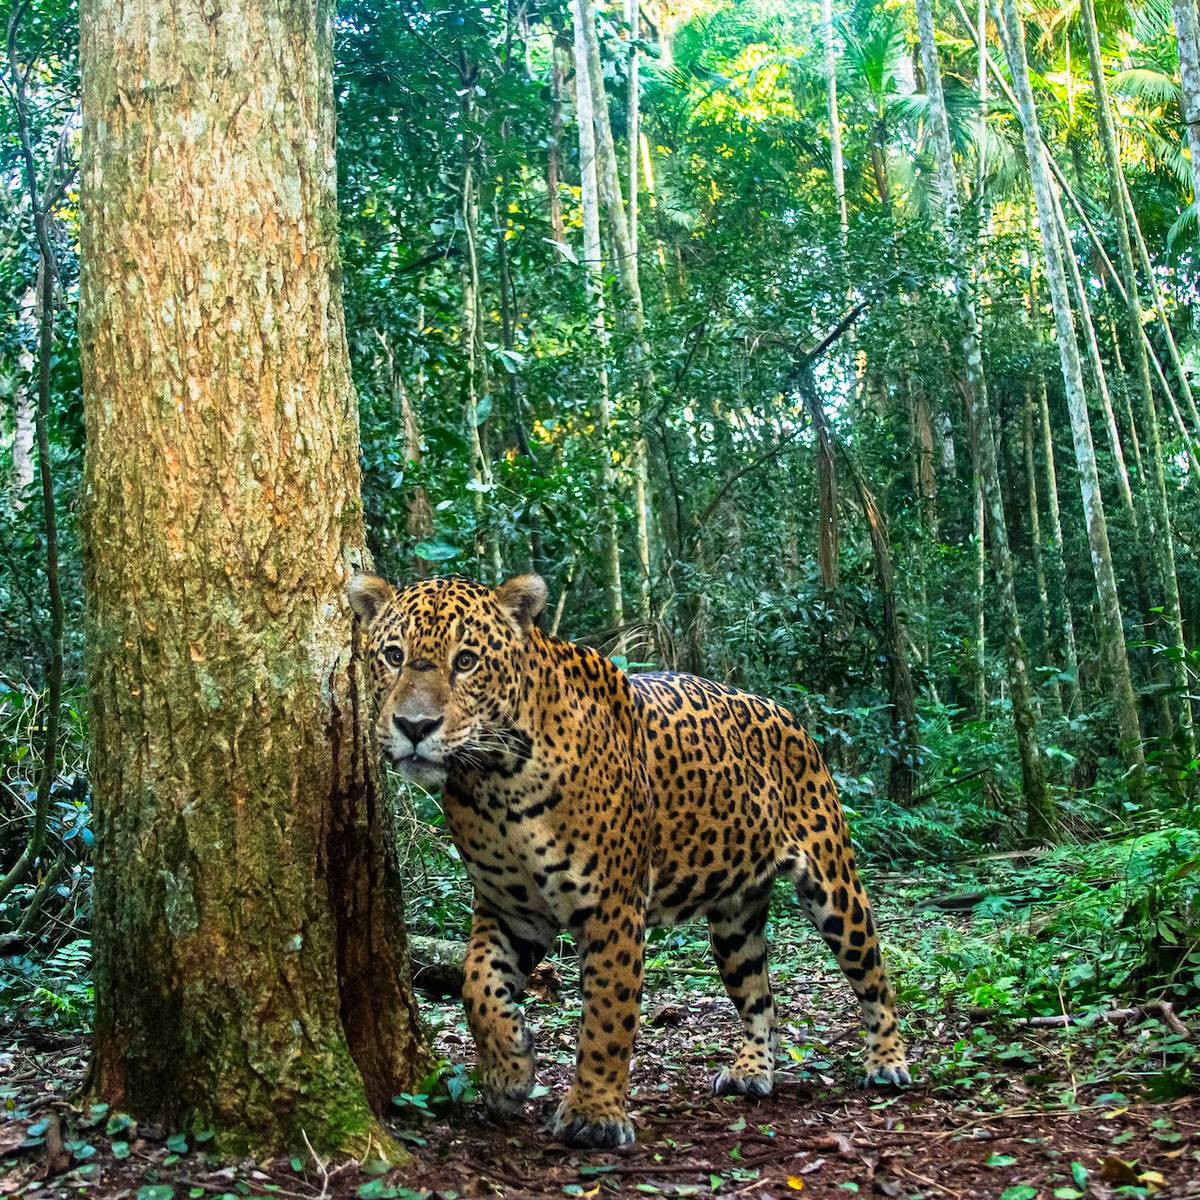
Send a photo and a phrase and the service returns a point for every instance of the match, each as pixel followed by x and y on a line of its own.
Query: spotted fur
pixel 584 798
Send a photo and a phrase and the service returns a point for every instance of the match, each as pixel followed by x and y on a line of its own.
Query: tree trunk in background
pixel 979 655
pixel 1160 511
pixel 902 775
pixel 554 150
pixel 1112 634
pixel 1058 560
pixel 1035 543
pixel 607 173
pixel 829 58
pixel 250 969
pixel 1189 94
pixel 623 247
pixel 633 122
pixel 1038 802
pixel 594 271
pixel 475 376
pixel 24 404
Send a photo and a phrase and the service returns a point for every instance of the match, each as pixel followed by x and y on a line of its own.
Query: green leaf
pixel 433 552
pixel 1000 1160
pixel 1079 1173
pixel 177 1143
pixel 1019 1191
pixel 120 1149
pixel 297 1165
pixel 376 1189
pixel 118 1123
pixel 156 1191
pixel 483 409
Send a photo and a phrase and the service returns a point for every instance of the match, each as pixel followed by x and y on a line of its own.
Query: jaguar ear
pixel 524 596
pixel 368 594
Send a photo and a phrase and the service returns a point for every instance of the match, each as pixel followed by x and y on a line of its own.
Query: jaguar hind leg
pixel 740 948
pixel 838 907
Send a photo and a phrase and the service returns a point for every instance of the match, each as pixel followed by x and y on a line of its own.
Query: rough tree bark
pixel 1112 635
pixel 251 967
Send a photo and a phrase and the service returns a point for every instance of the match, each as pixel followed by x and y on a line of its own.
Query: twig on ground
pixel 57 1158
pixel 320 1165
pixel 1162 1009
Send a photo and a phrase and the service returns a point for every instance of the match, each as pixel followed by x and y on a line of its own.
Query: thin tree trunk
pixel 902 774
pixel 593 269
pixel 1058 560
pixel 829 58
pixel 979 647
pixel 418 522
pixel 607 173
pixel 487 542
pixel 1188 41
pixel 1112 633
pixel 24 405
pixel 554 150
pixel 1035 541
pixel 1038 802
pixel 624 250
pixel 1160 511
pixel 633 120
pixel 250 962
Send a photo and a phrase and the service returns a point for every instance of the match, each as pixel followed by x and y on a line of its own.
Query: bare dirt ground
pixel 1039 1130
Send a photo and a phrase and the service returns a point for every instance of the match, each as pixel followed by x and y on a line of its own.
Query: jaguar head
pixel 446 660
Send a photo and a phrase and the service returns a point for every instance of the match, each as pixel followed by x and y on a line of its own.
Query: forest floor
pixel 999 1109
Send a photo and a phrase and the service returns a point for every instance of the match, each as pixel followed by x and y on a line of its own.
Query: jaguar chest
pixel 520 855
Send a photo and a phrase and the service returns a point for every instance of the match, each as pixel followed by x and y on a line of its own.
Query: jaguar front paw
pixel 881 1074
pixel 604 1129
pixel 506 1083
pixel 732 1082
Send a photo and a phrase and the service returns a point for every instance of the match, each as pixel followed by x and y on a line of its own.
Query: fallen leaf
pixel 1117 1170
pixel 795 1183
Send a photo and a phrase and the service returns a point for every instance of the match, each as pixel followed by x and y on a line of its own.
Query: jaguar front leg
pixel 612 947
pixel 500 957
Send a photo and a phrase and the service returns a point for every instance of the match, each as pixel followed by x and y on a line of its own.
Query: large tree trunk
pixel 1112 634
pixel 251 969
pixel 1039 805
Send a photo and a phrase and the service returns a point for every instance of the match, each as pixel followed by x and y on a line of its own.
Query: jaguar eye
pixel 464 660
pixel 394 657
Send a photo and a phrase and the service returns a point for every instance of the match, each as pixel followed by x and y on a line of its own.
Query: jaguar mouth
pixel 417 768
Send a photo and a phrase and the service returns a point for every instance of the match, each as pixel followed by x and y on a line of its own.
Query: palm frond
pixel 1143 83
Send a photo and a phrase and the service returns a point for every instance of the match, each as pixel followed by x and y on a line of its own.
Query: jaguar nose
pixel 416 731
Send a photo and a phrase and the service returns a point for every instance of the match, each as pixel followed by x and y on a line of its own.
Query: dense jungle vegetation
pixel 842 351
